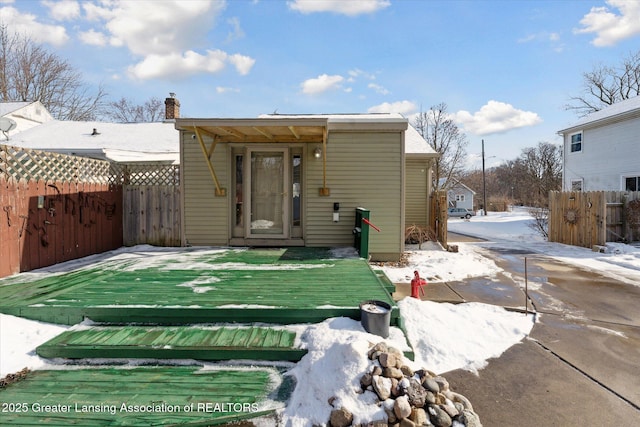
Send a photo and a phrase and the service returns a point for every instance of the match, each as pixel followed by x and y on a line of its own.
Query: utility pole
pixel 484 184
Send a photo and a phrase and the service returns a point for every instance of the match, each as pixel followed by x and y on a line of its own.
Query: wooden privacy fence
pixel 152 213
pixel 438 216
pixel 54 208
pixel 594 218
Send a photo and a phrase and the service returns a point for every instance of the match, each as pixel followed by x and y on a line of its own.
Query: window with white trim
pixel 576 142
pixel 459 197
pixel 576 185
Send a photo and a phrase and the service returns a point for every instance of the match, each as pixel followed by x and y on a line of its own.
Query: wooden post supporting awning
pixel 208 153
pixel 269 130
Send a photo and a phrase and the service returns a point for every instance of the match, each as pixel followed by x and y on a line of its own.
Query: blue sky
pixel 505 69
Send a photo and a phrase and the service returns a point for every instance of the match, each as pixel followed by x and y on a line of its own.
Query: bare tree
pixel 544 171
pixel 444 136
pixel 28 72
pixel 606 85
pixel 125 111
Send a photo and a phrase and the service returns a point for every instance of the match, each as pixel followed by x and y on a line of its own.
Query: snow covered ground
pixel 444 336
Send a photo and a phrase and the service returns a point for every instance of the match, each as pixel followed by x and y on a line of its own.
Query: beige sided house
pixel 287 180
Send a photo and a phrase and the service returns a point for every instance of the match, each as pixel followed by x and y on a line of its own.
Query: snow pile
pixel 18 340
pixel 332 368
pixel 437 265
pixel 445 337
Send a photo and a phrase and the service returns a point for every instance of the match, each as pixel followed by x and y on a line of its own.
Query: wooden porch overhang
pixel 256 131
pixel 260 130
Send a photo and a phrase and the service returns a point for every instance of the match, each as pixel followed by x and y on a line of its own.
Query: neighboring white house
pixel 602 150
pixel 458 194
pixel 26 115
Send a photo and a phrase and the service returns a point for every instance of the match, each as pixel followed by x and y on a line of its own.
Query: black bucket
pixel 375 317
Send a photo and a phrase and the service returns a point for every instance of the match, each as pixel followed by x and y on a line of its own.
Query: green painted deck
pixel 138 397
pixel 196 285
pixel 181 342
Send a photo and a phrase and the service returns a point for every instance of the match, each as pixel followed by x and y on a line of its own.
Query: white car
pixel 460 213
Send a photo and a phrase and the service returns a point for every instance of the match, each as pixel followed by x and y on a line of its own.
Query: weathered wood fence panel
pixel 593 218
pixel 438 216
pixel 152 215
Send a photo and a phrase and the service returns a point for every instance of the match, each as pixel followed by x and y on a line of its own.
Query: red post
pixel 417 284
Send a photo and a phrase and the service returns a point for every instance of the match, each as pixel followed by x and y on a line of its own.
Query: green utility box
pixel 361 232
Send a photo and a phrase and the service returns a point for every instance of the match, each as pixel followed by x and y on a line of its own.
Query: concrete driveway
pixel 581 363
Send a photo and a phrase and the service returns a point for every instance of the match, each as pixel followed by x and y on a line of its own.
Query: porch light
pixel 317 153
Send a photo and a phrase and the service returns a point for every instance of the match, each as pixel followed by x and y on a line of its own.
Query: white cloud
pixel 166 35
pixel 495 117
pixel 542 36
pixel 222 89
pixel 65 10
pixel 175 65
pixel 162 27
pixel 242 63
pixel 26 23
pixel 236 30
pixel 610 27
pixel 349 8
pixel 402 107
pixel 553 39
pixel 93 38
pixel 321 84
pixel 378 88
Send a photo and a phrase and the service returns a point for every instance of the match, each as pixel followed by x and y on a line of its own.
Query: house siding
pixel 205 215
pixel 417 192
pixel 363 170
pixel 608 153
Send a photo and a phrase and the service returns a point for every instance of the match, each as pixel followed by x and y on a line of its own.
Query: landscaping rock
pixel 431 385
pixel 409 398
pixel 392 373
pixel 416 394
pixel 387 360
pixel 439 417
pixel 341 418
pixel 469 419
pixel 401 407
pixel 382 386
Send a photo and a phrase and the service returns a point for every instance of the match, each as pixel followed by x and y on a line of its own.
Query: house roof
pixel 443 181
pixel 122 142
pixel 10 107
pixel 619 111
pixel 415 144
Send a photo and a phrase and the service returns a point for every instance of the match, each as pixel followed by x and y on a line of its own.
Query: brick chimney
pixel 171 107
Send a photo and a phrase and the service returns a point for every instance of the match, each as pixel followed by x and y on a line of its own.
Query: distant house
pixel 458 194
pixel 296 180
pixel 26 115
pixel 602 150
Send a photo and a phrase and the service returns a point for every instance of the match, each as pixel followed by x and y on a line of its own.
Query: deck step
pixel 181 342
pixel 142 396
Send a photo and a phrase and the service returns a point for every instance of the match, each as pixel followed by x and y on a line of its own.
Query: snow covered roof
pixel 415 144
pixel 10 107
pixel 121 142
pixel 620 110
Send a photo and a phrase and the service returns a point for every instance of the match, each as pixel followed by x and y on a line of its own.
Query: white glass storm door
pixel 268 181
